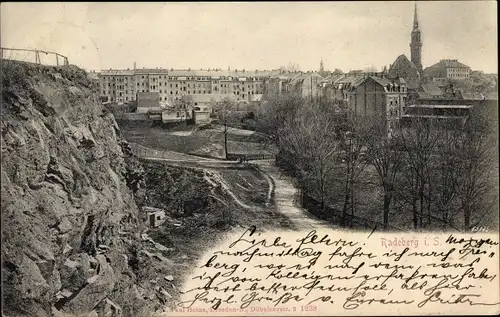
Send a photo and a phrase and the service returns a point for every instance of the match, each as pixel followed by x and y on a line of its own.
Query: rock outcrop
pixel 70 224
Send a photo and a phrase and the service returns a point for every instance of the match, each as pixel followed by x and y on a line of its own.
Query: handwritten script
pixel 350 273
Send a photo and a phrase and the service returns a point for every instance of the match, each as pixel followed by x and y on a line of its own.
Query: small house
pixel 174 115
pixel 155 216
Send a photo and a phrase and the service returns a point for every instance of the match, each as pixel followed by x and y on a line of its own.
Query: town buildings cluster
pixel 388 92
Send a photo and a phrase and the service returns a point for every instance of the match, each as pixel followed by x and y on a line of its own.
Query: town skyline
pixel 345 35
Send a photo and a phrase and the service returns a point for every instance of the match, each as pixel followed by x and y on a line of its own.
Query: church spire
pixel 415 17
pixel 416 43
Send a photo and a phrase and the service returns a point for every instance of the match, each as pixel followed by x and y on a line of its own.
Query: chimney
pixel 135 65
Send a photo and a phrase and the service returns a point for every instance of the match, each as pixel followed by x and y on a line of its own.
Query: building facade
pixel 380 98
pixel 450 69
pixel 122 86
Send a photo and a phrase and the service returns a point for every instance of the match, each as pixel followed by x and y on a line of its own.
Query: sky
pixel 253 35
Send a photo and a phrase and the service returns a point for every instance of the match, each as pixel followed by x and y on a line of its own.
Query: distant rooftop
pixel 449 63
pixel 191 72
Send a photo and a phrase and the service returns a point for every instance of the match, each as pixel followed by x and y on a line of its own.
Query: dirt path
pixel 285 196
pixel 284 192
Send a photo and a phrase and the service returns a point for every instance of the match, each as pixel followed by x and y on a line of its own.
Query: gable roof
pixel 349 79
pixel 453 63
pixel 432 89
pixel 382 81
pixel 446 63
pixel 401 61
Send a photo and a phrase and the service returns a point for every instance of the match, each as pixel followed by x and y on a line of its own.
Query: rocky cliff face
pixel 70 223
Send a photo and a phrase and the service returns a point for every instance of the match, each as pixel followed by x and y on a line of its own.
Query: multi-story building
pixel 306 85
pixel 380 98
pixel 299 84
pixel 277 85
pixel 122 86
pixel 342 89
pixel 449 69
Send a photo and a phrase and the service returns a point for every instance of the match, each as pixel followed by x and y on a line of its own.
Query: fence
pixel 326 212
pixel 33 56
pixel 143 151
pixel 250 157
pixel 337 217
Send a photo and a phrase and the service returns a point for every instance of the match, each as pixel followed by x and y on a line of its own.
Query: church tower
pixel 416 43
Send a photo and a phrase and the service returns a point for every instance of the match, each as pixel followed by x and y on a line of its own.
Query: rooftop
pixel 442 106
pixel 426 116
pixel 432 89
pixel 449 63
pixel 189 72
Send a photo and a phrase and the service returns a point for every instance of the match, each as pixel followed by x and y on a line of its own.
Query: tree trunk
pixel 421 202
pixel 322 189
pixel 387 203
pixel 429 200
pixel 352 201
pixel 415 218
pixel 466 217
pixel 347 196
pixel 344 209
pixel 225 140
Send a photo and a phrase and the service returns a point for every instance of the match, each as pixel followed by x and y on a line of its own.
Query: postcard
pixel 249 159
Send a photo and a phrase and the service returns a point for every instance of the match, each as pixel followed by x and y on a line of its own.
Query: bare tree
pixel 475 164
pixel 446 171
pixel 419 139
pixel 309 140
pixel 351 141
pixel 293 67
pixel 446 175
pixel 274 113
pixel 370 69
pixel 384 154
pixel 225 113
